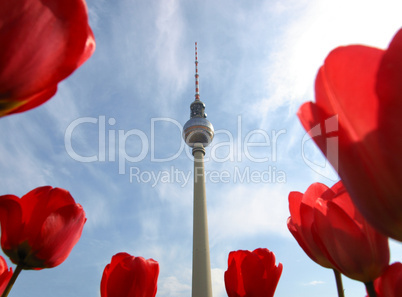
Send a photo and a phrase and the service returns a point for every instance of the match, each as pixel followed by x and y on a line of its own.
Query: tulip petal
pixel 105 277
pixel 301 218
pixel 252 274
pixel 59 234
pixel 316 190
pixel 8 106
pixel 344 78
pixel 295 200
pixel 147 281
pixel 5 274
pixel 38 204
pixel 127 276
pixel 337 230
pixel 388 84
pixel 389 90
pixel 234 284
pixel 43 42
pixel 390 283
pixel 361 86
pixel 116 259
pixel 272 272
pixel 11 223
pixel 120 281
pixel 45 200
pixel 40 229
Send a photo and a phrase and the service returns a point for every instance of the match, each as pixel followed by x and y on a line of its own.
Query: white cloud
pixel 175 287
pixel 218 283
pixel 245 210
pixel 316 29
pixel 396 250
pixel 62 108
pixel 314 283
pixel 172 69
pixel 20 157
pixel 171 286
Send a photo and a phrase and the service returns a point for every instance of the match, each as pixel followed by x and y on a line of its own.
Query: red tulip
pixel 330 229
pixel 252 274
pixel 40 229
pixel 301 220
pixel 42 42
pixel 390 283
pixel 362 87
pixel 5 274
pixel 129 276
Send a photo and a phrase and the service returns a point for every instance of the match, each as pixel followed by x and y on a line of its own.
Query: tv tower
pixel 198 133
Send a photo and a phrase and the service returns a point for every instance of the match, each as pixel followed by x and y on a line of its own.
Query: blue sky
pixel 114 126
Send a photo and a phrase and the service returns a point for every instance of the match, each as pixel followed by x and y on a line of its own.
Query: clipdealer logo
pixel 112 143
pixel 115 145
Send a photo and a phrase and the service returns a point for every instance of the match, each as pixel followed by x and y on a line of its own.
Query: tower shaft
pixel 201 282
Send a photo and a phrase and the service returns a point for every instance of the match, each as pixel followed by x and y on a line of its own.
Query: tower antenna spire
pixel 197 84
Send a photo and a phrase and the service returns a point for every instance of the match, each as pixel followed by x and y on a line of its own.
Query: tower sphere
pixel 198 130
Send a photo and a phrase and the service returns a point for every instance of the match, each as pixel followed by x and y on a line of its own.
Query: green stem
pixel 12 280
pixel 370 289
pixel 339 285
